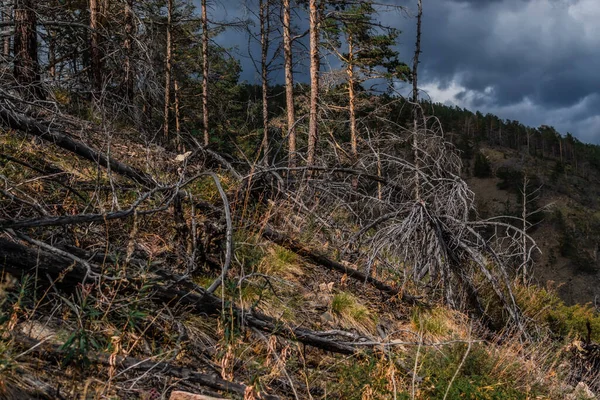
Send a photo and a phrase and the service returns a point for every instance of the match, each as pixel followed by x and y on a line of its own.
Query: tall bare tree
pixel 415 100
pixel 264 20
pixel 313 127
pixel 204 18
pixel 98 10
pixel 127 47
pixel 289 82
pixel 6 16
pixel 168 68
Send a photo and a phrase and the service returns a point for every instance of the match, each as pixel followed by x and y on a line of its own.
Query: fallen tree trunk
pixel 21 122
pixel 18 259
pixel 320 259
pixel 29 125
pixel 74 219
pixel 55 352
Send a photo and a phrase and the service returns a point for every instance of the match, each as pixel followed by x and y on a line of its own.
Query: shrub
pixel 482 167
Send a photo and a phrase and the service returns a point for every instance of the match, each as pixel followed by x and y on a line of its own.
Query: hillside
pixel 168 228
pixel 567 230
pixel 113 303
pixel 563 185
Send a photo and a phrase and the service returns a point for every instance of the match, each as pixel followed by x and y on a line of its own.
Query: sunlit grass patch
pixel 351 313
pixel 281 263
pixel 436 321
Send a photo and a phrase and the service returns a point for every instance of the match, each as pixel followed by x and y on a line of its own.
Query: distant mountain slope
pixel 498 154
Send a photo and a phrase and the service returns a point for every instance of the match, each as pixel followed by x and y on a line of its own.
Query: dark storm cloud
pixel 531 60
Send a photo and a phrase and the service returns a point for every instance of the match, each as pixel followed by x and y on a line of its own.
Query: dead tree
pixel 168 68
pixel 289 83
pixel 204 19
pixel 25 49
pixel 313 125
pixel 98 10
pixel 128 81
pixel 6 17
pixel 265 30
pixel 432 241
pixel 415 98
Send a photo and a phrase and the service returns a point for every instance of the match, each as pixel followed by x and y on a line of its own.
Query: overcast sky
pixel 536 61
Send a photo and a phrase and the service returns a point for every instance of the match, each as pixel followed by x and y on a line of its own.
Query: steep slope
pixel 117 306
pixel 567 229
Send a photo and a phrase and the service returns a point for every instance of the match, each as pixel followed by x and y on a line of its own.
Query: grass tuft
pixel 352 313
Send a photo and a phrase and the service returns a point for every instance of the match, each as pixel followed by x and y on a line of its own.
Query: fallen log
pixel 74 219
pixel 31 126
pixel 54 352
pixel 17 259
pixel 23 123
pixel 322 260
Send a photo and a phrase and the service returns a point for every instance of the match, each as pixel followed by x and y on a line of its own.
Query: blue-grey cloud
pixel 532 60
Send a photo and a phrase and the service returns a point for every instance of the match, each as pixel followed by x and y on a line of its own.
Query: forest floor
pixel 117 305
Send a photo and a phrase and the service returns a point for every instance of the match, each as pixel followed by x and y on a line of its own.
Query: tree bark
pixel 313 127
pixel 98 10
pixel 352 107
pixel 127 48
pixel 204 19
pixel 415 99
pixel 177 109
pixel 352 99
pixel 6 17
pixel 168 67
pixel 289 83
pixel 26 66
pixel 264 46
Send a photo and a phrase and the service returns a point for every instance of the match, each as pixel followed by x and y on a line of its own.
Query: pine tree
pixel 369 54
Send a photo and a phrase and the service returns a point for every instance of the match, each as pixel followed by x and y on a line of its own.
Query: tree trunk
pixel 205 72
pixel 289 83
pixel 168 69
pixel 313 128
pixel 129 29
pixel 177 111
pixel 560 150
pixel 352 100
pixel 524 227
pixel 6 16
pixel 97 12
pixel 264 46
pixel 415 100
pixel 26 66
pixel 352 107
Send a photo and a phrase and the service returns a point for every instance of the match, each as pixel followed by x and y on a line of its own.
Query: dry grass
pixel 351 313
